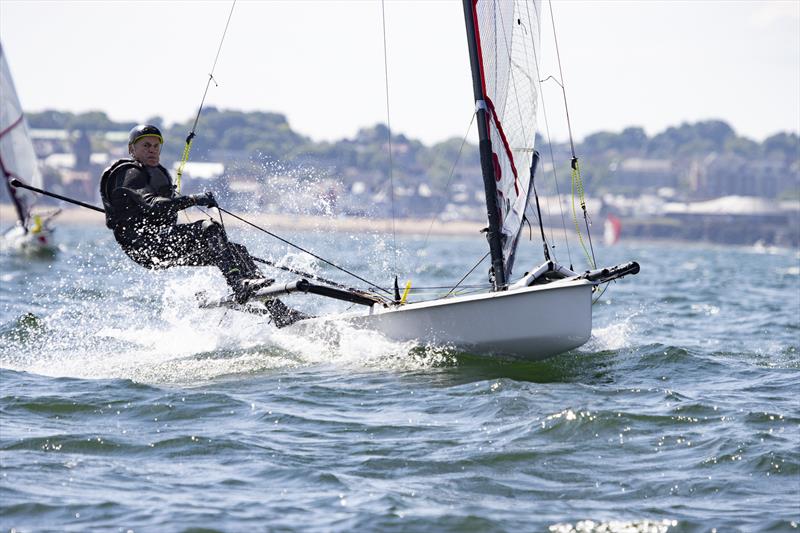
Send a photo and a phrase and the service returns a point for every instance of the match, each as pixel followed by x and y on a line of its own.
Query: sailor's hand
pixel 206 200
pixel 210 200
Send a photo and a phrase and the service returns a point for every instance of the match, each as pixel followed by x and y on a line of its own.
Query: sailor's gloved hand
pixel 206 200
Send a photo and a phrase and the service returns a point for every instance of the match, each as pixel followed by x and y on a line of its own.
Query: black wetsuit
pixel 142 209
pixel 144 216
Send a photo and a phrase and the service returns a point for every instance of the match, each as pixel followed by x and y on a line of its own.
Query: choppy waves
pixel 124 407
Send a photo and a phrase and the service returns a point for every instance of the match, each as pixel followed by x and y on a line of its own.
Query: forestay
pixel 17 158
pixel 507 35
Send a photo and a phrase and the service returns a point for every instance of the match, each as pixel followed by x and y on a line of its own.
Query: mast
pixel 485 146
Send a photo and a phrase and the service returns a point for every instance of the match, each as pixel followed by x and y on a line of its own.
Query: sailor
pixel 142 208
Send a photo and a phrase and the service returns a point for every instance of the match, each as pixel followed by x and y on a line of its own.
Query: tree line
pixel 268 136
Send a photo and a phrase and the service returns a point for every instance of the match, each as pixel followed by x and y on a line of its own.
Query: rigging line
pixel 312 254
pixel 601 293
pixel 551 77
pixel 272 264
pixel 537 217
pixel 307 275
pixel 482 287
pixel 467 274
pixel 234 250
pixel 192 134
pixel 459 293
pixel 389 127
pixel 552 156
pixel 589 235
pixel 525 188
pixel 558 191
pixel 561 73
pixel 576 173
pixel 529 31
pixel 449 179
pixel 440 287
pixel 213 67
pixel 532 184
pixel 282 267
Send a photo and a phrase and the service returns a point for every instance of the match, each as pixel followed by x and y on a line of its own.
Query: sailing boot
pixel 252 279
pixel 242 277
pixel 281 314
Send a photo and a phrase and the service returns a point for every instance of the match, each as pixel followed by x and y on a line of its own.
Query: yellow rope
pixel 405 292
pixel 188 146
pixel 184 159
pixel 577 182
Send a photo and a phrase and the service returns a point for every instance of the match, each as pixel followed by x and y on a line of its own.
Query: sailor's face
pixel 147 150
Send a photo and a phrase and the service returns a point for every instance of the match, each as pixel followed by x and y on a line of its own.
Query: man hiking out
pixel 142 208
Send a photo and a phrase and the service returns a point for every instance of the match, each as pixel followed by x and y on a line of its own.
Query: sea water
pixel 126 408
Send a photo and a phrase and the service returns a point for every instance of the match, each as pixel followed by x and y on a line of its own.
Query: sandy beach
pixel 78 215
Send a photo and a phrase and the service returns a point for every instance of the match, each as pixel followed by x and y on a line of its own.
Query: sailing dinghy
pixel 612 227
pixel 32 233
pixel 549 309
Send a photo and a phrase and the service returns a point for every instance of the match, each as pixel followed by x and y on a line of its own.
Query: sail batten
pixel 506 35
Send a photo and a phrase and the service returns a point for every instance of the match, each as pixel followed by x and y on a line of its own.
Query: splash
pixel 173 341
pixel 616 526
pixel 337 342
pixel 614 336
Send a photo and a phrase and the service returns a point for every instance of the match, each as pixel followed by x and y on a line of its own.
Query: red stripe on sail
pixel 488 100
pixel 12 126
pixel 499 128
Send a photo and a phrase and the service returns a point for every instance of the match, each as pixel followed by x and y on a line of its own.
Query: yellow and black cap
pixel 144 130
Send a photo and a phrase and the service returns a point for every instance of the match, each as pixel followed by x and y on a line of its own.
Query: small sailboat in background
pixel 32 233
pixel 611 230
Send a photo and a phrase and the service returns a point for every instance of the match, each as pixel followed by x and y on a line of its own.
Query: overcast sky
pixel 648 63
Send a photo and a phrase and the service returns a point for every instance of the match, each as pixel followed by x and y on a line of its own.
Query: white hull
pixel 39 243
pixel 530 323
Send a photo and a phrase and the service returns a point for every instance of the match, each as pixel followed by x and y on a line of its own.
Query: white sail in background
pixel 508 41
pixel 17 158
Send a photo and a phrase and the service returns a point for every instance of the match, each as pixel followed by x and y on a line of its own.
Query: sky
pixel 652 63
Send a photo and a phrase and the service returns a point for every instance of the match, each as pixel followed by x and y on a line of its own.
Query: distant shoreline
pixel 75 216
pixel 720 230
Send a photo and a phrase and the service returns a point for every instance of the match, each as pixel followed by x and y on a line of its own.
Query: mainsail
pixel 504 40
pixel 17 158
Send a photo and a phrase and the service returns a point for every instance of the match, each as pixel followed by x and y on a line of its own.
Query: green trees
pixel 265 134
pixel 259 137
pixel 64 120
pixel 782 145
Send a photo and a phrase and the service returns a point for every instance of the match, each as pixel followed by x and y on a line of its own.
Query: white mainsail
pixel 507 35
pixel 17 158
